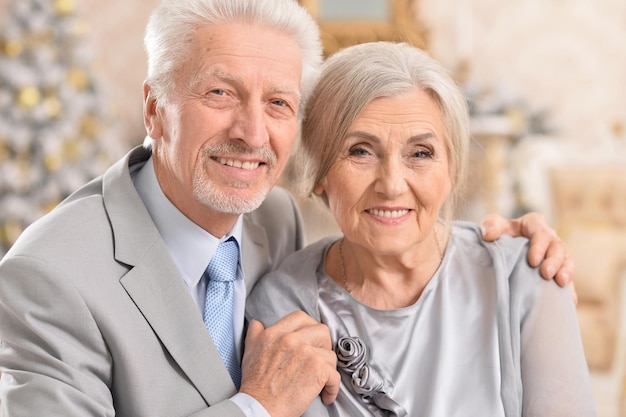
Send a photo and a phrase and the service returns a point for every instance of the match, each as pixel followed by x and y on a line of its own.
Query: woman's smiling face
pixel 391 176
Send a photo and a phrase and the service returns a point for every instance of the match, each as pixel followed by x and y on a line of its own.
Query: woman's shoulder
pixel 470 234
pixel 506 256
pixel 292 286
pixel 506 253
pixel 519 285
pixel 305 260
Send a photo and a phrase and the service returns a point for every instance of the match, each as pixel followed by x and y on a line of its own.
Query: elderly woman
pixel 427 317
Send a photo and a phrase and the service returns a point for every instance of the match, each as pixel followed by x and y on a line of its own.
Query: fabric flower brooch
pixel 352 356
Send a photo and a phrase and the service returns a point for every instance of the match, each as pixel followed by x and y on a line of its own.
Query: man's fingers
pixel 332 380
pixel 300 327
pixel 493 226
pixel 255 328
pixel 286 365
pixel 565 275
pixel 538 251
pixel 548 246
pixel 572 289
pixel 544 241
pixel 331 389
pixel 543 245
pixel 531 223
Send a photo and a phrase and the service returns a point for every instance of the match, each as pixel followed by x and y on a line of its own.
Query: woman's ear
pixel 318 189
pixel 151 119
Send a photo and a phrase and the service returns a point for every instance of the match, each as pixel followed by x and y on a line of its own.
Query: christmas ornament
pixel 52 115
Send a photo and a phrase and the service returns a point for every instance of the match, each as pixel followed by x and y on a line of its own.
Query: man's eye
pixel 280 103
pixel 218 92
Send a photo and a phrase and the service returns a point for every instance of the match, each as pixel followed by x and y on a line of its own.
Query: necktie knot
pixel 223 265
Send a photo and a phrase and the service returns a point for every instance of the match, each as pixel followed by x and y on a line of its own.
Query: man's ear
pixel 318 189
pixel 151 119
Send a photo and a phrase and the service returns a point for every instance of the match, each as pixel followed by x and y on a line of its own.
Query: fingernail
pixel 566 277
pixel 551 270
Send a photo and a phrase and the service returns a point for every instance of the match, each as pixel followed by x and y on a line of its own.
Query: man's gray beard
pixel 207 193
pixel 210 196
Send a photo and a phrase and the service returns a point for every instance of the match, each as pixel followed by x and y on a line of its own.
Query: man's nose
pixel 250 126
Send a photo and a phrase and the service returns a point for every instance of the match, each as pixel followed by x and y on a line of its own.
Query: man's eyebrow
pixel 286 90
pixel 200 77
pixel 233 79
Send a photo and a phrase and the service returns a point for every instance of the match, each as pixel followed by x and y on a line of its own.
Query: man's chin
pixel 234 203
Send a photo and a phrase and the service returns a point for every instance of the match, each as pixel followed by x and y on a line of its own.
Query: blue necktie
pixel 219 304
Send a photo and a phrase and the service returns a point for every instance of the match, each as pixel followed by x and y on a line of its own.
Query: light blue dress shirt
pixel 192 248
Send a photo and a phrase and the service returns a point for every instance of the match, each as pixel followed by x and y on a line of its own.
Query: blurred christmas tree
pixel 52 116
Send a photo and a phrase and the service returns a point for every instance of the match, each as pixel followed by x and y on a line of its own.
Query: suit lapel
pixel 156 287
pixel 159 292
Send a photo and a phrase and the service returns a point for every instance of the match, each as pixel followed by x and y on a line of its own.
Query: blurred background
pixel 546 82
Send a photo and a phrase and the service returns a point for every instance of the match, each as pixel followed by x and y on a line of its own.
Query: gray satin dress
pixel 488 336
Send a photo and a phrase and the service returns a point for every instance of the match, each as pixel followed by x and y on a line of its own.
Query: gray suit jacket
pixel 95 319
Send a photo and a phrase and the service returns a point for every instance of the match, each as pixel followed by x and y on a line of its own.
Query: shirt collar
pixel 191 246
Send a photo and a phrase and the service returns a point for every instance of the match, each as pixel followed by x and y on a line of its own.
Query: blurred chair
pixel 590 212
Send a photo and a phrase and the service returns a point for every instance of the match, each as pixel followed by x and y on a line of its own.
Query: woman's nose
pixel 391 182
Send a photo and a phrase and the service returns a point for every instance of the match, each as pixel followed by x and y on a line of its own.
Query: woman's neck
pixel 386 282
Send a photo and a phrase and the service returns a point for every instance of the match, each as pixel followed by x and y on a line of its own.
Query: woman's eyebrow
pixel 365 135
pixel 421 137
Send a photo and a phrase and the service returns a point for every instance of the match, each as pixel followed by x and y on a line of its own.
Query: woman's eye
pixel 422 154
pixel 358 151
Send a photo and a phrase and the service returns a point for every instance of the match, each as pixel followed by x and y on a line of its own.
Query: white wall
pixel 565 56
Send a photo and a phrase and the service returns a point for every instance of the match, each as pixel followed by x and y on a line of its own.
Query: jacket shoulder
pixel 280 216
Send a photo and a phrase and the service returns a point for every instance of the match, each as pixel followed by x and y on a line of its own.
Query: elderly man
pixel 115 304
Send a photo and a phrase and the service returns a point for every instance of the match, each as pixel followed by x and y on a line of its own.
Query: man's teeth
pixel 390 214
pixel 239 164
